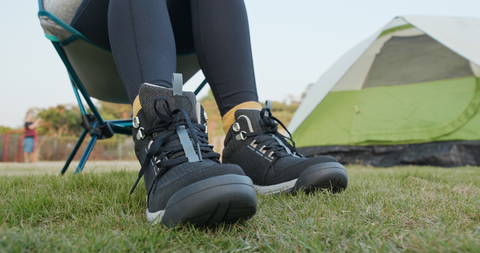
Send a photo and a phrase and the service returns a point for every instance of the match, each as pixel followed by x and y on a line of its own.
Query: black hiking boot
pixel 185 181
pixel 273 164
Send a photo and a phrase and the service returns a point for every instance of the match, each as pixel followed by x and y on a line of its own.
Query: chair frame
pixel 92 123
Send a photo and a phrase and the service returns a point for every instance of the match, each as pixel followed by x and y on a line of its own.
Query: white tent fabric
pixel 460 34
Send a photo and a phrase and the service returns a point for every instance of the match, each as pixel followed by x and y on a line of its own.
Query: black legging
pixel 145 37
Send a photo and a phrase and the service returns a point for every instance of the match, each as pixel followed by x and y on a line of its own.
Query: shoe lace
pixel 166 158
pixel 271 139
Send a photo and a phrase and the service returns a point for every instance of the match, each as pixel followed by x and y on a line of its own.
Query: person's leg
pixel 184 179
pixel 91 20
pixel 216 30
pixel 140 37
pixel 27 148
pixel 142 42
pixel 222 42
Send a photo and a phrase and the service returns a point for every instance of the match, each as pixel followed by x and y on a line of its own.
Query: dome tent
pixel 409 94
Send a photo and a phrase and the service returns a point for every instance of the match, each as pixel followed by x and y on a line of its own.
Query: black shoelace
pixel 167 158
pixel 271 139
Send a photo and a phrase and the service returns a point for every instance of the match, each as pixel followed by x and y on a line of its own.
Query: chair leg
pixel 85 156
pixel 74 151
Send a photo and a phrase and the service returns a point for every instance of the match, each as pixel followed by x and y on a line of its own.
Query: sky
pixel 293 43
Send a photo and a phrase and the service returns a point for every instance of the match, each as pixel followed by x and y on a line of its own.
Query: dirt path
pixel 10 169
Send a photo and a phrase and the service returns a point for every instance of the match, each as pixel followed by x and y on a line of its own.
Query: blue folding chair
pixel 93 73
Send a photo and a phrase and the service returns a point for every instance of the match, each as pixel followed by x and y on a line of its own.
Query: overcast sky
pixel 293 43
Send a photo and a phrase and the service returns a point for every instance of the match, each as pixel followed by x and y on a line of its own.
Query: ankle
pixel 229 118
pixel 136 106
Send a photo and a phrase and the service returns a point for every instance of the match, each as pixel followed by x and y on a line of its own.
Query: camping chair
pixel 93 73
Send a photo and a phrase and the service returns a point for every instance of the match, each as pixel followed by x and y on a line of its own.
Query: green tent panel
pixel 413 113
pixel 408 95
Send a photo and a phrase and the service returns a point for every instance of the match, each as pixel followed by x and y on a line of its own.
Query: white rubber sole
pixel 272 189
pixel 156 217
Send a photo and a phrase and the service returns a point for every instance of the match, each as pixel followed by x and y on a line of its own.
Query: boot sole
pixel 211 201
pixel 325 176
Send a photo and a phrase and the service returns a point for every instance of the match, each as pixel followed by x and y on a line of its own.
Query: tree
pixel 60 121
pixel 110 111
pixel 65 120
pixel 4 129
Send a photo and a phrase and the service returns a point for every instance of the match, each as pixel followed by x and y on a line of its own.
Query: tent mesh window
pixel 406 60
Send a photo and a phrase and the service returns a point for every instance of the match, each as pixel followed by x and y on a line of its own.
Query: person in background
pixel 28 140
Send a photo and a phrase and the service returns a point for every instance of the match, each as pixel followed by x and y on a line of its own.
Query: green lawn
pixel 398 209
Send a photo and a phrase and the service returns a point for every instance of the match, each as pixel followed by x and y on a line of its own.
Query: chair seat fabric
pixel 94 66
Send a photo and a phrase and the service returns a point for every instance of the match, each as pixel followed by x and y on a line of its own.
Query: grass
pixel 413 209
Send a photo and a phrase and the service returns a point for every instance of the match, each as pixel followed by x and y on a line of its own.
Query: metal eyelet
pixel 241 136
pixel 136 122
pixel 236 127
pixel 206 120
pixel 270 155
pixel 262 150
pixel 140 134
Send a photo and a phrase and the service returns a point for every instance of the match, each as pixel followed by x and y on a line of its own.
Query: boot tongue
pixel 149 92
pixel 254 122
